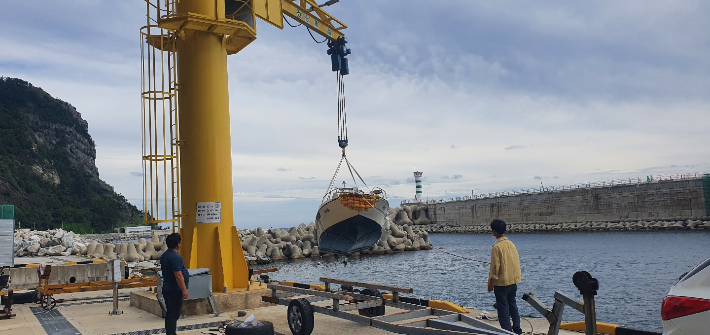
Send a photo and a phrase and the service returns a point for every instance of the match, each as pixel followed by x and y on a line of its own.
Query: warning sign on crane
pixel 209 212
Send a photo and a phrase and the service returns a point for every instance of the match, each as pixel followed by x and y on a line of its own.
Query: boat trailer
pixel 414 319
pixel 45 290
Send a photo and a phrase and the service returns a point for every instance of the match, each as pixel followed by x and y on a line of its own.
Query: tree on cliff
pixel 47 164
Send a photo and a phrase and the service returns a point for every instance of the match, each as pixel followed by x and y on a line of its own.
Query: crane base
pixel 226 302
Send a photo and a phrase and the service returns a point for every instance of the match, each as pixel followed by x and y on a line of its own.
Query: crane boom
pixel 305 12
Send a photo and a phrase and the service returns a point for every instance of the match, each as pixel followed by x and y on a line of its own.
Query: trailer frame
pixel 415 320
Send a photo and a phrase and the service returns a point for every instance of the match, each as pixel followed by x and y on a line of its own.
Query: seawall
pixel 676 200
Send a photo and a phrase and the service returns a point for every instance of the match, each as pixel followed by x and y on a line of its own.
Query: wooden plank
pixel 256 272
pixel 372 286
pixel 95 286
pixel 307 291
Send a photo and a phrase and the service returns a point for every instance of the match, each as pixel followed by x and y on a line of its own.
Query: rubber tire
pixel 24 298
pixel 301 308
pixel 372 311
pixel 266 328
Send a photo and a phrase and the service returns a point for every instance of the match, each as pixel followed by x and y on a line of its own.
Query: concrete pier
pixel 90 317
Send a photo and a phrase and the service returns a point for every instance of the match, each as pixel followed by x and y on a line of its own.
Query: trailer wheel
pixel 300 317
pixel 48 302
pixel 265 328
pixel 372 311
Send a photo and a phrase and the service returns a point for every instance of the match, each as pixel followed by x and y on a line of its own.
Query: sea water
pixel 635 270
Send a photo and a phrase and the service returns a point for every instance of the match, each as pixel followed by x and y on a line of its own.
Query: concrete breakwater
pixel 679 199
pixel 575 226
pixel 275 244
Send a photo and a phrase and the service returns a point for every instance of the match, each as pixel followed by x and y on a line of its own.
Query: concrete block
pixel 146 301
pixel 25 278
pixel 697 204
pixel 226 302
pixel 699 213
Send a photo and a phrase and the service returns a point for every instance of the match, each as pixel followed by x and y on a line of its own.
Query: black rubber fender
pixel 265 328
pixel 24 298
pixel 372 311
pixel 300 317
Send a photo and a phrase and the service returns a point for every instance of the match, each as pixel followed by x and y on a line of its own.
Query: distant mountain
pixel 47 165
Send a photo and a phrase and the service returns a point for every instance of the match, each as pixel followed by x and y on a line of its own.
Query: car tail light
pixel 675 307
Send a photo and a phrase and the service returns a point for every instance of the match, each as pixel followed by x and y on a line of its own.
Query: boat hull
pixel 342 231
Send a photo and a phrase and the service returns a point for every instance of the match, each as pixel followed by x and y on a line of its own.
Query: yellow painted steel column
pixel 205 151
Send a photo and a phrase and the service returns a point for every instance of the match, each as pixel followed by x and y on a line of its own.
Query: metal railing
pixel 549 189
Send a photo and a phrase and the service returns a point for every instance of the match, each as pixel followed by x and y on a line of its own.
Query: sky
pixel 481 96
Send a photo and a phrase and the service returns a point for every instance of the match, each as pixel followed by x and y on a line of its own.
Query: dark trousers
pixel 173 304
pixel 507 308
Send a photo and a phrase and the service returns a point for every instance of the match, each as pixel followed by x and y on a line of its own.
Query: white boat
pixel 350 220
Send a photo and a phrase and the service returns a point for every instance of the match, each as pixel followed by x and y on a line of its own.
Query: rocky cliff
pixel 47 164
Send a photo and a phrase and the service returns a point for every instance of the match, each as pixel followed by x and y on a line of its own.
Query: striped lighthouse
pixel 418 181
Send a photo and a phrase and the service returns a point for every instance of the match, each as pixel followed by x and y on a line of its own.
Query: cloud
pixel 136 174
pixel 578 90
pixel 272 196
pixel 454 177
pixel 537 178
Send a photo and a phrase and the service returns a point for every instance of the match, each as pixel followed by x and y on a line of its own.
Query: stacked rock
pixel 417 214
pixel 279 244
pixel 55 242
pixel 260 246
pixel 640 225
pixel 143 250
pixel 298 242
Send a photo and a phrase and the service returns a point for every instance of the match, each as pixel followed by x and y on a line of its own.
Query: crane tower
pixel 186 120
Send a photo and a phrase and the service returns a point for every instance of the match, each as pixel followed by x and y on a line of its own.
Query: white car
pixel 686 308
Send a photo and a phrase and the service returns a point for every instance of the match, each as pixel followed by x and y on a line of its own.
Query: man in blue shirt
pixel 175 280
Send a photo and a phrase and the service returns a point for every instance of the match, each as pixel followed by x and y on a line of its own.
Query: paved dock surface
pixel 91 317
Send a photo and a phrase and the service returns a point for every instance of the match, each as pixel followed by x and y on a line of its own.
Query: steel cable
pixel 289 23
pixel 314 39
pixel 464 257
pixel 342 114
pixel 333 179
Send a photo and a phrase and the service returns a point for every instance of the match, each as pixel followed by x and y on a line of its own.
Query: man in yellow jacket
pixel 504 277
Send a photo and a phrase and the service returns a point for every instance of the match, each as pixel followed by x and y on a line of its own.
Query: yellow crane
pixel 186 129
